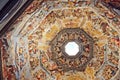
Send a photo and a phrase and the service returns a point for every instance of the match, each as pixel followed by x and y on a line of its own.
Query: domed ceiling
pixel 37 45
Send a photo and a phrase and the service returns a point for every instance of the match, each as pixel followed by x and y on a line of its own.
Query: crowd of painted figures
pixel 27 51
pixel 81 59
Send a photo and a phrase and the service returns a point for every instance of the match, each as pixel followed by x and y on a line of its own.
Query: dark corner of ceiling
pixel 17 14
pixel 113 5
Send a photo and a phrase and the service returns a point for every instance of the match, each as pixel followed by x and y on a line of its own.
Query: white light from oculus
pixel 71 48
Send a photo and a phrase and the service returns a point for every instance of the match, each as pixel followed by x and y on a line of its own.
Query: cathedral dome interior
pixel 63 40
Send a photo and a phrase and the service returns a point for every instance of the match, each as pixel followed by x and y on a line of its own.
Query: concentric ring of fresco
pixel 81 59
pixel 30 55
